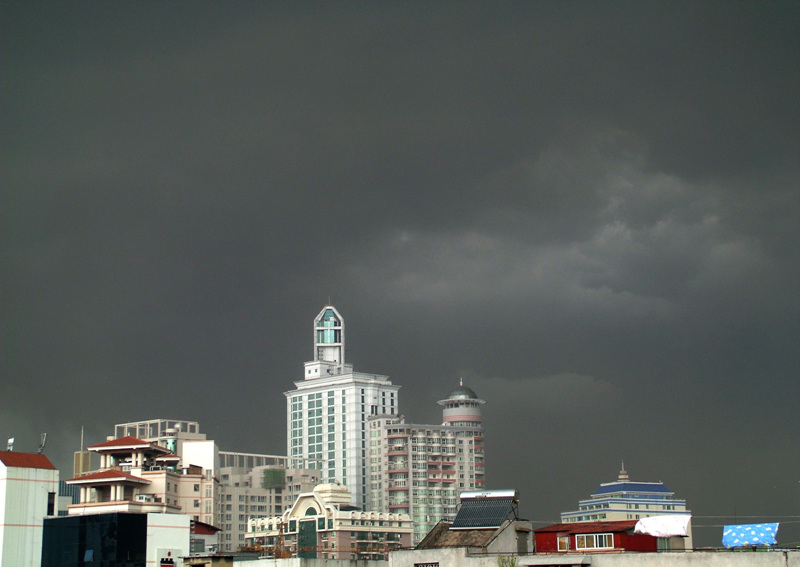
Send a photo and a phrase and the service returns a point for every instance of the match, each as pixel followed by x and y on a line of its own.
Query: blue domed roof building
pixel 625 499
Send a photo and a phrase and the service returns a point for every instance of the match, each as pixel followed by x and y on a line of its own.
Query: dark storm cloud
pixel 587 211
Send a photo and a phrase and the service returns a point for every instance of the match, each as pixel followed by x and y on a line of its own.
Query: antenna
pixel 10 446
pixel 42 441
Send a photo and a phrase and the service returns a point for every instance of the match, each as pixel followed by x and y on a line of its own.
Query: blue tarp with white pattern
pixel 749 535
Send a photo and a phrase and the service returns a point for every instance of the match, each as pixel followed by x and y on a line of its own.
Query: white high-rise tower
pixel 326 414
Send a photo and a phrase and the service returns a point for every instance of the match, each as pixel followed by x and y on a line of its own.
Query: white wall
pixel 201 453
pixel 167 533
pixel 23 506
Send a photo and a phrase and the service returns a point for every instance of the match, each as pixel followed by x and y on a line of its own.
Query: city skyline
pixel 587 211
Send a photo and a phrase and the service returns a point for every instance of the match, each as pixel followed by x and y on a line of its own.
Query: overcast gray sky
pixel 589 211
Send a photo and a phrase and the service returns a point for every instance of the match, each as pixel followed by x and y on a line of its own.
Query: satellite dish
pixel 10 445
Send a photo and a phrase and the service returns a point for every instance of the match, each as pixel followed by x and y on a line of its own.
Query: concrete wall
pixel 516 538
pixel 23 506
pixel 167 536
pixel 296 562
pixel 458 558
pixel 701 559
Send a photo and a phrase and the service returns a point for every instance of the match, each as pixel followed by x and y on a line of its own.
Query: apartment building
pixel 420 470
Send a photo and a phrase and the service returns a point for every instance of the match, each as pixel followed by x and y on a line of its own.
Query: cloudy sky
pixel 589 211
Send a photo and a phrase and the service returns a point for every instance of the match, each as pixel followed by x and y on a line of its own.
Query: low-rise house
pixel 487 523
pixel 203 538
pixel 593 537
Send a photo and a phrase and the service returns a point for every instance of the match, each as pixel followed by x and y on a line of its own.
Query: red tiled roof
pixel 126 441
pixel 201 528
pixel 590 527
pixel 26 460
pixel 107 475
pixel 170 457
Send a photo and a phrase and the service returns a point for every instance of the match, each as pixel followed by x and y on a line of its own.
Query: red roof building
pixel 28 493
pixel 26 460
pixel 593 537
pixel 134 476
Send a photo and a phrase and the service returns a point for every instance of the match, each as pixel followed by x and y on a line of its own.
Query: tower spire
pixel 329 336
pixel 623 474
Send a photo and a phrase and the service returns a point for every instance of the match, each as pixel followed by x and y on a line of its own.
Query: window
pixel 594 541
pixel 563 543
pixel 197 488
pixel 51 503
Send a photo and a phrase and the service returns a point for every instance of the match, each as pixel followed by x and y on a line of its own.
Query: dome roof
pixel 462 393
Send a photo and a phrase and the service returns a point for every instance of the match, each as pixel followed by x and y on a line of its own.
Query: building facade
pixel 260 492
pixel 625 499
pixel 234 486
pixel 136 476
pixel 28 493
pixel 323 525
pixel 327 412
pixel 420 470
pixel 115 538
pixel 589 537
